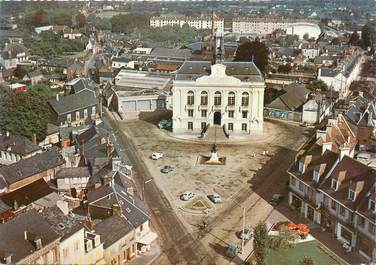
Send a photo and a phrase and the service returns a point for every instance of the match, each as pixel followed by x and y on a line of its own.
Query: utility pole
pixel 243 230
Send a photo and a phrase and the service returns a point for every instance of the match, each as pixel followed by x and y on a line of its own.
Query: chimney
pixel 320 134
pixel 116 209
pixel 38 243
pixel 88 222
pixel 344 151
pixel 110 148
pixel 326 146
pixel 57 97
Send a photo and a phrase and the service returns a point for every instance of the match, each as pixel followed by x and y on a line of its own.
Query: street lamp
pixel 143 187
pixel 243 226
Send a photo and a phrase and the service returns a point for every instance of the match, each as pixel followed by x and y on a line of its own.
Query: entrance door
pixel 217 118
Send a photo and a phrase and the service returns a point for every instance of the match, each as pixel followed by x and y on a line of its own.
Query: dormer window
pixel 316 176
pixel 351 195
pixel 334 184
pixel 372 205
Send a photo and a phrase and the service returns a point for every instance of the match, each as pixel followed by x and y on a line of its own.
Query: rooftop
pixel 14 231
pixel 83 99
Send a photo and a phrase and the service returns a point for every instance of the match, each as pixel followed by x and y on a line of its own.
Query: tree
pixel 306 36
pixel 20 71
pixel 354 38
pixel 39 17
pixel 369 35
pixel 291 40
pixel 284 68
pixel 80 20
pixel 25 113
pixel 317 84
pixel 260 243
pixel 307 261
pixel 253 51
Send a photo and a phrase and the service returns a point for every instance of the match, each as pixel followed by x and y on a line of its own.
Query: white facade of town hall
pixel 234 93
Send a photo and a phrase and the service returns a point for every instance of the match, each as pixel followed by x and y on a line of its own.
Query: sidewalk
pixel 148 257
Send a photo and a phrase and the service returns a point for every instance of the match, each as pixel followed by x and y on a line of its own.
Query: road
pixel 177 244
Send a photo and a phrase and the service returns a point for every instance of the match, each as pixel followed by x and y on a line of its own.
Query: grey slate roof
pixel 171 53
pixel 83 99
pixel 17 144
pixel 293 99
pixel 63 225
pixel 112 229
pixel 28 167
pixel 245 71
pixel 13 237
pixel 73 172
pixel 133 208
pixel 12 49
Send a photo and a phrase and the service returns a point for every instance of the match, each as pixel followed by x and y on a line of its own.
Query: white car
pixel 156 155
pixel 186 196
pixel 215 197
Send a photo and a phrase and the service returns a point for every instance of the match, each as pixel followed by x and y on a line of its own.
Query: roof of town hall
pixel 245 71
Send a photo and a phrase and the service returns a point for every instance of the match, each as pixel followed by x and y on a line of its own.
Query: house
pixel 76 85
pixel 75 109
pixel 33 241
pixel 78 244
pixel 34 77
pixel 140 91
pixel 5 212
pixel 24 198
pixel 122 62
pixel 52 135
pixel 71 34
pixel 115 199
pixel 340 78
pixel 14 147
pixel 334 190
pixel 316 108
pixel 26 171
pixel 105 74
pixel 290 104
pixel 13 54
pixel 75 69
pixel 38 30
pixel 309 50
pixel 73 180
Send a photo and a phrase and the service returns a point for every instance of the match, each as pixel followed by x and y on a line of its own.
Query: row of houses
pixel 332 180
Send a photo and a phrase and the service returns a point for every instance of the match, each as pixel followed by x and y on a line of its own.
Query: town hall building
pixel 226 94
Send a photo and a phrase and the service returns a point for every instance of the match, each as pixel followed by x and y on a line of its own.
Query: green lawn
pixel 110 13
pixel 293 256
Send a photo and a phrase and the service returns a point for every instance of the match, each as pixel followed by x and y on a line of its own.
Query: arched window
pixel 245 99
pixel 190 98
pixel 204 98
pixel 217 98
pixel 231 99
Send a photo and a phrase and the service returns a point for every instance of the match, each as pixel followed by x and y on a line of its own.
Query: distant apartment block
pixel 263 26
pixel 194 22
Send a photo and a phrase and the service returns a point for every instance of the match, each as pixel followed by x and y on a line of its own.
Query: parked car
pixel 276 199
pixel 163 124
pixel 215 197
pixel 186 196
pixel 167 169
pixel 156 155
pixel 247 234
pixel 232 250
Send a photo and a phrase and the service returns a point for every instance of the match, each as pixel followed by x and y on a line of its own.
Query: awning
pixel 148 238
